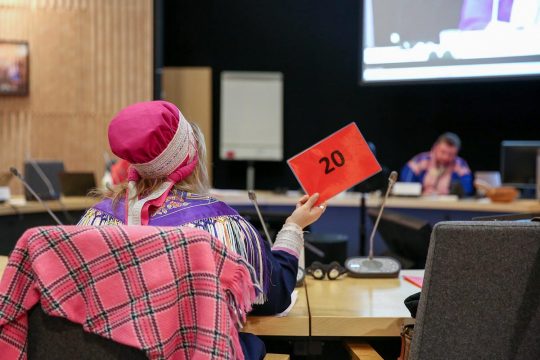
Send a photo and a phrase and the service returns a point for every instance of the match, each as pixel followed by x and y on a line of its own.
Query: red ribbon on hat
pixel 156 198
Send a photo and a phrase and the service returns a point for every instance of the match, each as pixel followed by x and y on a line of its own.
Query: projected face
pixel 444 153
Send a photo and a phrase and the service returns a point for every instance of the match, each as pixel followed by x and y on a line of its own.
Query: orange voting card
pixel 335 164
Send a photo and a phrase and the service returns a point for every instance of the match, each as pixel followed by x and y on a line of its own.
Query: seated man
pixel 440 169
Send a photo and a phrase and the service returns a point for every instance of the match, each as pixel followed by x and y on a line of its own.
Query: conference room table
pixel 17 205
pixel 346 307
pixel 3 263
pixel 295 323
pixel 342 215
pixel 354 307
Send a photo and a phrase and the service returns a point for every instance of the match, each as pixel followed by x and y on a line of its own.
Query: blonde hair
pixel 197 182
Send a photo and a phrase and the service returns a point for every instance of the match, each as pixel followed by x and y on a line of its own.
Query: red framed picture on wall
pixel 14 68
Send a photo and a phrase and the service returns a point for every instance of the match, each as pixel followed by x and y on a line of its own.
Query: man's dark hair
pixel 450 138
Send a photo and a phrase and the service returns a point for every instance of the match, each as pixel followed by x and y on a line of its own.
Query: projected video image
pixel 441 39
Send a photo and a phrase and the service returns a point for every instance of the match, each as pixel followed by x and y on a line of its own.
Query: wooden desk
pixel 359 307
pixel 345 307
pixel 480 205
pixel 267 198
pixel 17 205
pixel 3 264
pixel 343 213
pixel 296 323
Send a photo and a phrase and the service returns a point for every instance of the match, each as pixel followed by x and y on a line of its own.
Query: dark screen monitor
pixel 407 237
pixel 518 163
pixel 77 183
pixel 44 178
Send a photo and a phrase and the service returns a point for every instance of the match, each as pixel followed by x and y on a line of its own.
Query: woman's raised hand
pixel 306 213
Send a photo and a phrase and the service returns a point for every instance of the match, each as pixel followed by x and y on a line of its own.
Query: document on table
pixel 294 297
pixel 416 280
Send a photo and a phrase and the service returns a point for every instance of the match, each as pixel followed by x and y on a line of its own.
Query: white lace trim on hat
pixel 177 151
pixel 135 206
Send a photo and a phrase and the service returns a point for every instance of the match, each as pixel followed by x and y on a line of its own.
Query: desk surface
pixel 296 323
pixel 3 264
pixel 267 198
pixel 359 307
pixel 345 307
pixel 17 205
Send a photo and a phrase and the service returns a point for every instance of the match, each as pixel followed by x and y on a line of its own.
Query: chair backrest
pixel 51 337
pixel 481 293
pixel 168 291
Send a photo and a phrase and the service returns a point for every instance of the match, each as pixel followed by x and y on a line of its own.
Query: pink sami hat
pixel 159 143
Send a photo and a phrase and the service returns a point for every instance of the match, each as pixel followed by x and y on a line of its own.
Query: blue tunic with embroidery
pixel 276 270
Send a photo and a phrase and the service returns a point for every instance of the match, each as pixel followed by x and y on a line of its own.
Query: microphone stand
pixel 19 176
pixel 310 247
pixel 371 266
pixel 362 245
pixel 253 198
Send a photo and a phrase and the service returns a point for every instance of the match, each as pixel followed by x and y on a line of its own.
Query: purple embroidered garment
pixel 198 211
pixel 476 14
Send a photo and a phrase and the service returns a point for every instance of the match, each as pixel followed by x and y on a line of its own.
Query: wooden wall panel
pixel 190 88
pixel 88 59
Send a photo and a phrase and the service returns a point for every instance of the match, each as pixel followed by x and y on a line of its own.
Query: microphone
pixel 375 267
pixel 253 198
pixel 391 181
pixel 19 176
pixel 310 247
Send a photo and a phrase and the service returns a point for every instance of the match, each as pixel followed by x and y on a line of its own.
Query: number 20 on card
pixel 335 163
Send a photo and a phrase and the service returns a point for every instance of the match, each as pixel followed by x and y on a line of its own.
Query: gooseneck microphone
pixel 391 181
pixel 253 198
pixel 19 176
pixel 375 267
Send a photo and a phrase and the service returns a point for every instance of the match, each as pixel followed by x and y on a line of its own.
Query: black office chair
pixel 75 270
pixel 54 338
pixel 481 293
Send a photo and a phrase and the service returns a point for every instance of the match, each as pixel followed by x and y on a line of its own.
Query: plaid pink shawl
pixel 173 292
